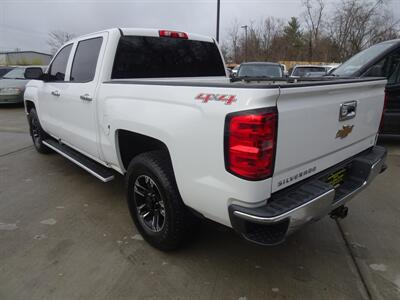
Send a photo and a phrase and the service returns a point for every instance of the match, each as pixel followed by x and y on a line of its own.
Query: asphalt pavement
pixel 66 235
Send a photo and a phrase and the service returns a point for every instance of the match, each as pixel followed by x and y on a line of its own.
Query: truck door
pixel 49 94
pixel 77 109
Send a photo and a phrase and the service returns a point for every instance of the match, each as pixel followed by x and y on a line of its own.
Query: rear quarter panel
pixel 193 131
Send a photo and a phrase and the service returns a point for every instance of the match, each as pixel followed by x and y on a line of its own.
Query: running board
pixel 101 172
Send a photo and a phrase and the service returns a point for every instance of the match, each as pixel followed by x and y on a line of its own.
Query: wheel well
pixel 132 144
pixel 29 105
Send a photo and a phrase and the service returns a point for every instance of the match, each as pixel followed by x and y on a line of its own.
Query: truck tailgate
pixel 311 137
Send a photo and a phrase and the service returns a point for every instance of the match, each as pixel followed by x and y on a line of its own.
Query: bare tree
pixel 386 28
pixel 271 29
pixel 57 38
pixel 233 41
pixel 357 24
pixel 313 16
pixel 254 47
pixel 225 51
pixel 353 26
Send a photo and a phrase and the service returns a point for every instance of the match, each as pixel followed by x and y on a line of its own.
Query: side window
pixel 388 67
pixel 85 60
pixel 59 65
pixel 394 64
pixel 376 70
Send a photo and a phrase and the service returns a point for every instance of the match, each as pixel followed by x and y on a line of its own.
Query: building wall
pixel 24 58
pixel 3 59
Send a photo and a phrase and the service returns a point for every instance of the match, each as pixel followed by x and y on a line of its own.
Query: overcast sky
pixel 25 24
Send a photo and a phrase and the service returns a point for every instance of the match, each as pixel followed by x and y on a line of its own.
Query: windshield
pixel 356 62
pixel 261 70
pixel 303 71
pixel 17 73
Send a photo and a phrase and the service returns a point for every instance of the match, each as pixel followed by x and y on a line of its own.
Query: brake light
pixel 383 111
pixel 173 34
pixel 250 142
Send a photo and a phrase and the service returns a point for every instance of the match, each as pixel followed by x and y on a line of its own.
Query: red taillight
pixel 173 34
pixel 383 111
pixel 250 141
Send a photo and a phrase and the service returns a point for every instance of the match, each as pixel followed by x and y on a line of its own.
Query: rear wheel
pixel 37 133
pixel 154 201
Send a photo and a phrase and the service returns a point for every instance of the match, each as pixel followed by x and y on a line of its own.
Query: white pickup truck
pixel 157 106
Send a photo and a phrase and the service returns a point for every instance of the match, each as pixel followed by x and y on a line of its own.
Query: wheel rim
pixel 149 203
pixel 35 131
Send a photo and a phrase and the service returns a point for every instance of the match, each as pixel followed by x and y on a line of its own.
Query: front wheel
pixel 154 201
pixel 37 133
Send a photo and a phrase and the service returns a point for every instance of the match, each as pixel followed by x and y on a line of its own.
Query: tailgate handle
pixel 347 110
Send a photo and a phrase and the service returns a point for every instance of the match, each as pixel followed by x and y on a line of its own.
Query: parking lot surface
pixel 66 235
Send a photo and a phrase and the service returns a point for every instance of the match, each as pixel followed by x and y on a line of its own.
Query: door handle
pixel 86 97
pixel 55 93
pixel 347 110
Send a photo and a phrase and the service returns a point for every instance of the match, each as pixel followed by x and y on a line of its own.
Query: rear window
pixel 154 57
pixel 260 70
pixel 303 71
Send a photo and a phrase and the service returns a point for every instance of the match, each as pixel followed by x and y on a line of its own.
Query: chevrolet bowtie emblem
pixel 345 131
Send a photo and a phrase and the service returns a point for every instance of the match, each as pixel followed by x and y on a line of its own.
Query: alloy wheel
pixel 149 203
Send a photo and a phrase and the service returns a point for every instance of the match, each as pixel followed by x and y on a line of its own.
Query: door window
pixel 85 60
pixel 388 67
pixel 394 78
pixel 59 65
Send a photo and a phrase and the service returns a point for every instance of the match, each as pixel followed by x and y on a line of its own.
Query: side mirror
pixel 33 73
pixel 45 77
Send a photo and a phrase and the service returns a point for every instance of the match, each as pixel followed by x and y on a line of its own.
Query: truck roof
pixel 309 66
pixel 260 63
pixel 146 32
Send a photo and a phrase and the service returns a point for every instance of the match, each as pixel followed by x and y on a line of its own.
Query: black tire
pixel 176 221
pixel 37 133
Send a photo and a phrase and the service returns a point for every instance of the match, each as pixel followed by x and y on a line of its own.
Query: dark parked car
pixel 5 70
pixel 259 70
pixel 307 71
pixel 379 60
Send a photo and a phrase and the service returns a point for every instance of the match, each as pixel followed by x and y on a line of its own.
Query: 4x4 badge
pixel 227 99
pixel 345 131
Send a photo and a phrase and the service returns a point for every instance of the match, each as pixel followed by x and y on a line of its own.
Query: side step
pixel 94 168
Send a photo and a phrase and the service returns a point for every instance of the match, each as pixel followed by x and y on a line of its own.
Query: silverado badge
pixel 345 131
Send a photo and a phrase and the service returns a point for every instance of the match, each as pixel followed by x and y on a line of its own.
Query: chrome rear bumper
pixel 290 209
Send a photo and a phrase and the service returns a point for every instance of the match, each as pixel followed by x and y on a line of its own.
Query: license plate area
pixel 337 177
